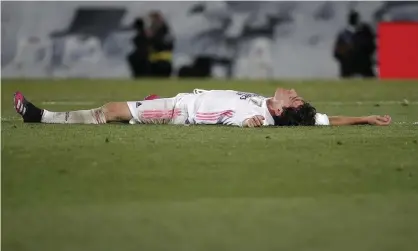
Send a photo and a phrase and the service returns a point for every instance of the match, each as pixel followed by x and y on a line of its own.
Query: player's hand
pixel 379 120
pixel 255 121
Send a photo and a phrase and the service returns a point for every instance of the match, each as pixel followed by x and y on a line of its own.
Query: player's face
pixel 287 98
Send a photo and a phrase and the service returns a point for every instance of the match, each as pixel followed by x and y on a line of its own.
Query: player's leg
pixel 110 112
pixel 156 111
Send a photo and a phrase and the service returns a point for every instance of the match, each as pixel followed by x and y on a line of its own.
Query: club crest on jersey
pixel 138 104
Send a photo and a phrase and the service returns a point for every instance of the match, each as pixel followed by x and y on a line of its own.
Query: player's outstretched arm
pixel 364 120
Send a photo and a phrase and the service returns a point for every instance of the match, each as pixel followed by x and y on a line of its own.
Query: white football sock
pixel 93 116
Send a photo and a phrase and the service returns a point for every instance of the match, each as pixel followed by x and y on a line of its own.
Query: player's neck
pixel 270 108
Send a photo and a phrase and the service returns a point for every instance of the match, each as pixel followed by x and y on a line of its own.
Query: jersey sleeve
pixel 243 113
pixel 321 119
pixel 238 119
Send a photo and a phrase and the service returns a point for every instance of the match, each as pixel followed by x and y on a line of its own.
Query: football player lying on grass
pixel 201 107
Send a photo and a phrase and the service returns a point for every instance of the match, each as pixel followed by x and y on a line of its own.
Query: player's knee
pixel 110 111
pixel 116 111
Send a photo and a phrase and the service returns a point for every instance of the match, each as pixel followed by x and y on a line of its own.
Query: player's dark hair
pixel 303 115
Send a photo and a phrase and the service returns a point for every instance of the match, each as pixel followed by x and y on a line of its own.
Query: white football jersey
pixel 231 107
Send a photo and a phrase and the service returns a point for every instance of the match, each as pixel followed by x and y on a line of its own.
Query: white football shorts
pixel 161 111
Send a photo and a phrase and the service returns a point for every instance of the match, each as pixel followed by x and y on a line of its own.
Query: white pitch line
pixel 406 123
pixel 10 119
pixel 68 103
pixel 383 102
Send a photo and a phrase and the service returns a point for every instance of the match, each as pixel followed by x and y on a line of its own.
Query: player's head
pixel 289 109
pixel 303 115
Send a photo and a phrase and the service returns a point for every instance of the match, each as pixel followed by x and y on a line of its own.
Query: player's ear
pixel 276 106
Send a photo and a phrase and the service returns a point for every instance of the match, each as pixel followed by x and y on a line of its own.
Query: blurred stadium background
pixel 123 187
pixel 282 39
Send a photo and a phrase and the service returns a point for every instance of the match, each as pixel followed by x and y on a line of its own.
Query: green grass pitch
pixel 140 188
